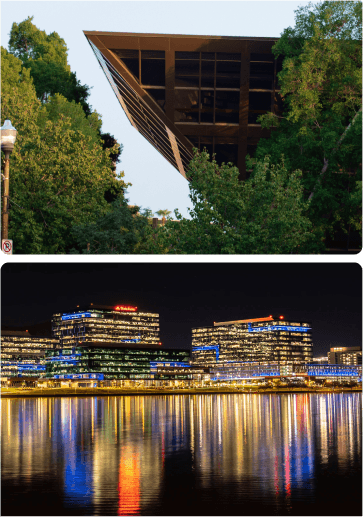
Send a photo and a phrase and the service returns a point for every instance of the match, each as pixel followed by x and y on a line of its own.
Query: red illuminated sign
pixel 125 308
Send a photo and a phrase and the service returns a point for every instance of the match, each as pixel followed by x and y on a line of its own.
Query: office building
pixel 112 342
pixel 334 371
pixel 345 355
pixel 183 91
pixel 22 354
pixel 263 341
pixel 110 325
pixel 117 362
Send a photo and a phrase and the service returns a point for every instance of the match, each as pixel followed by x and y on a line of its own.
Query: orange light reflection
pixel 129 485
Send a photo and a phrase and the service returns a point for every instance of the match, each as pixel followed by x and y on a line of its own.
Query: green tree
pixel 46 58
pixel 58 106
pixel 321 130
pixel 121 231
pixel 265 214
pixel 59 176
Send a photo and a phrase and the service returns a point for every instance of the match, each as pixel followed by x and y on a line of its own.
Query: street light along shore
pixel 8 137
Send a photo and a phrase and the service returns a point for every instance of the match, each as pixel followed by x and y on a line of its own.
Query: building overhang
pixel 153 109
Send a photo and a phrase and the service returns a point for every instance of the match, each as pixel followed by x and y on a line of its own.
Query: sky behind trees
pixel 156 184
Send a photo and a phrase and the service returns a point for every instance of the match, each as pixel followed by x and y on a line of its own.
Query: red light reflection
pixel 129 485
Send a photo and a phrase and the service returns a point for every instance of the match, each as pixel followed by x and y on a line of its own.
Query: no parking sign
pixel 7 246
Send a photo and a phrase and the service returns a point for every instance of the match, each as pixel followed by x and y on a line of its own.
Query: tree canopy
pixel 120 231
pixel 60 172
pixel 321 129
pixel 265 214
pixel 46 58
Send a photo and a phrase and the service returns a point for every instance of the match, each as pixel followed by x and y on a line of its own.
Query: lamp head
pixel 8 136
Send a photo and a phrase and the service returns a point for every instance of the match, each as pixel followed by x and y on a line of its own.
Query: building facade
pixel 123 362
pixel 23 354
pixel 263 341
pixel 345 355
pixel 111 325
pixel 334 371
pixel 182 91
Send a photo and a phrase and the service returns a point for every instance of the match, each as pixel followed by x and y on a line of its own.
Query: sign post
pixel 7 246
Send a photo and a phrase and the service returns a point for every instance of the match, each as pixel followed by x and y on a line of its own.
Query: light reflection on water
pixel 180 454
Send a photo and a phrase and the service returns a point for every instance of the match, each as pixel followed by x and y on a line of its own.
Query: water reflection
pixel 137 455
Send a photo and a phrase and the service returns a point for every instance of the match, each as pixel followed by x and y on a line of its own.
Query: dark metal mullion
pixel 273 91
pixel 160 149
pixel 147 122
pixel 214 91
pixel 200 92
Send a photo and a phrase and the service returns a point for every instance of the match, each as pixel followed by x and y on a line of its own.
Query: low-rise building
pixel 351 355
pixel 23 354
pixel 101 361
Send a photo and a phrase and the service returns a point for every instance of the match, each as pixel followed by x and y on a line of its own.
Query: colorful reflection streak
pixel 158 455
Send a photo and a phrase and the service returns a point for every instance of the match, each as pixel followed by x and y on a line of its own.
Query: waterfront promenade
pixel 96 392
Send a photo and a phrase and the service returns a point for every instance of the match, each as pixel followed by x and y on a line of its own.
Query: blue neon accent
pixel 64 358
pixel 40 367
pixel 76 316
pixel 209 347
pixel 130 340
pixel 332 371
pixel 277 327
pixel 154 364
pixel 99 376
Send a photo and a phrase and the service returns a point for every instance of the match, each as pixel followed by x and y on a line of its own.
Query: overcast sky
pixel 329 296
pixel 155 183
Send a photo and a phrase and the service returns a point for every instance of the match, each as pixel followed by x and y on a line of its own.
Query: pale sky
pixel 155 183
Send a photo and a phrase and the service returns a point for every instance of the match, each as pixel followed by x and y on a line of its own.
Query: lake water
pixel 236 454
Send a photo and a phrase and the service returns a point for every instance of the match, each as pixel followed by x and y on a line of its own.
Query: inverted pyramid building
pixel 182 91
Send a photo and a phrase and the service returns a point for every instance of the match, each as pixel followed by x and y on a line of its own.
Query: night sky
pixel 329 296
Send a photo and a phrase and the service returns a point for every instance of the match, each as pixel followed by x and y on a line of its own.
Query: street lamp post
pixel 8 137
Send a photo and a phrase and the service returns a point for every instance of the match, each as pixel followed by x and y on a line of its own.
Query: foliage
pixel 163 213
pixel 58 174
pixel 46 58
pixel 108 142
pixel 119 231
pixel 58 106
pixel 321 132
pixel 28 42
pixel 264 214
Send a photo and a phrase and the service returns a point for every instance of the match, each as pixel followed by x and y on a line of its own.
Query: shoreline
pixel 107 392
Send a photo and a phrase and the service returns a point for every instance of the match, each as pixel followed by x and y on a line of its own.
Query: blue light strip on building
pixel 277 327
pixel 130 340
pixel 328 370
pixel 38 367
pixel 76 316
pixel 65 358
pixel 209 347
pixel 154 364
pixel 80 376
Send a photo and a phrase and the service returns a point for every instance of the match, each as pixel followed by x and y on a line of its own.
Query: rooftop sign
pixel 125 308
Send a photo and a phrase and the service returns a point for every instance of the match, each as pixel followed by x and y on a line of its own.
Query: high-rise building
pixel 112 342
pixel 263 341
pixel 111 325
pixel 183 91
pixel 351 355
